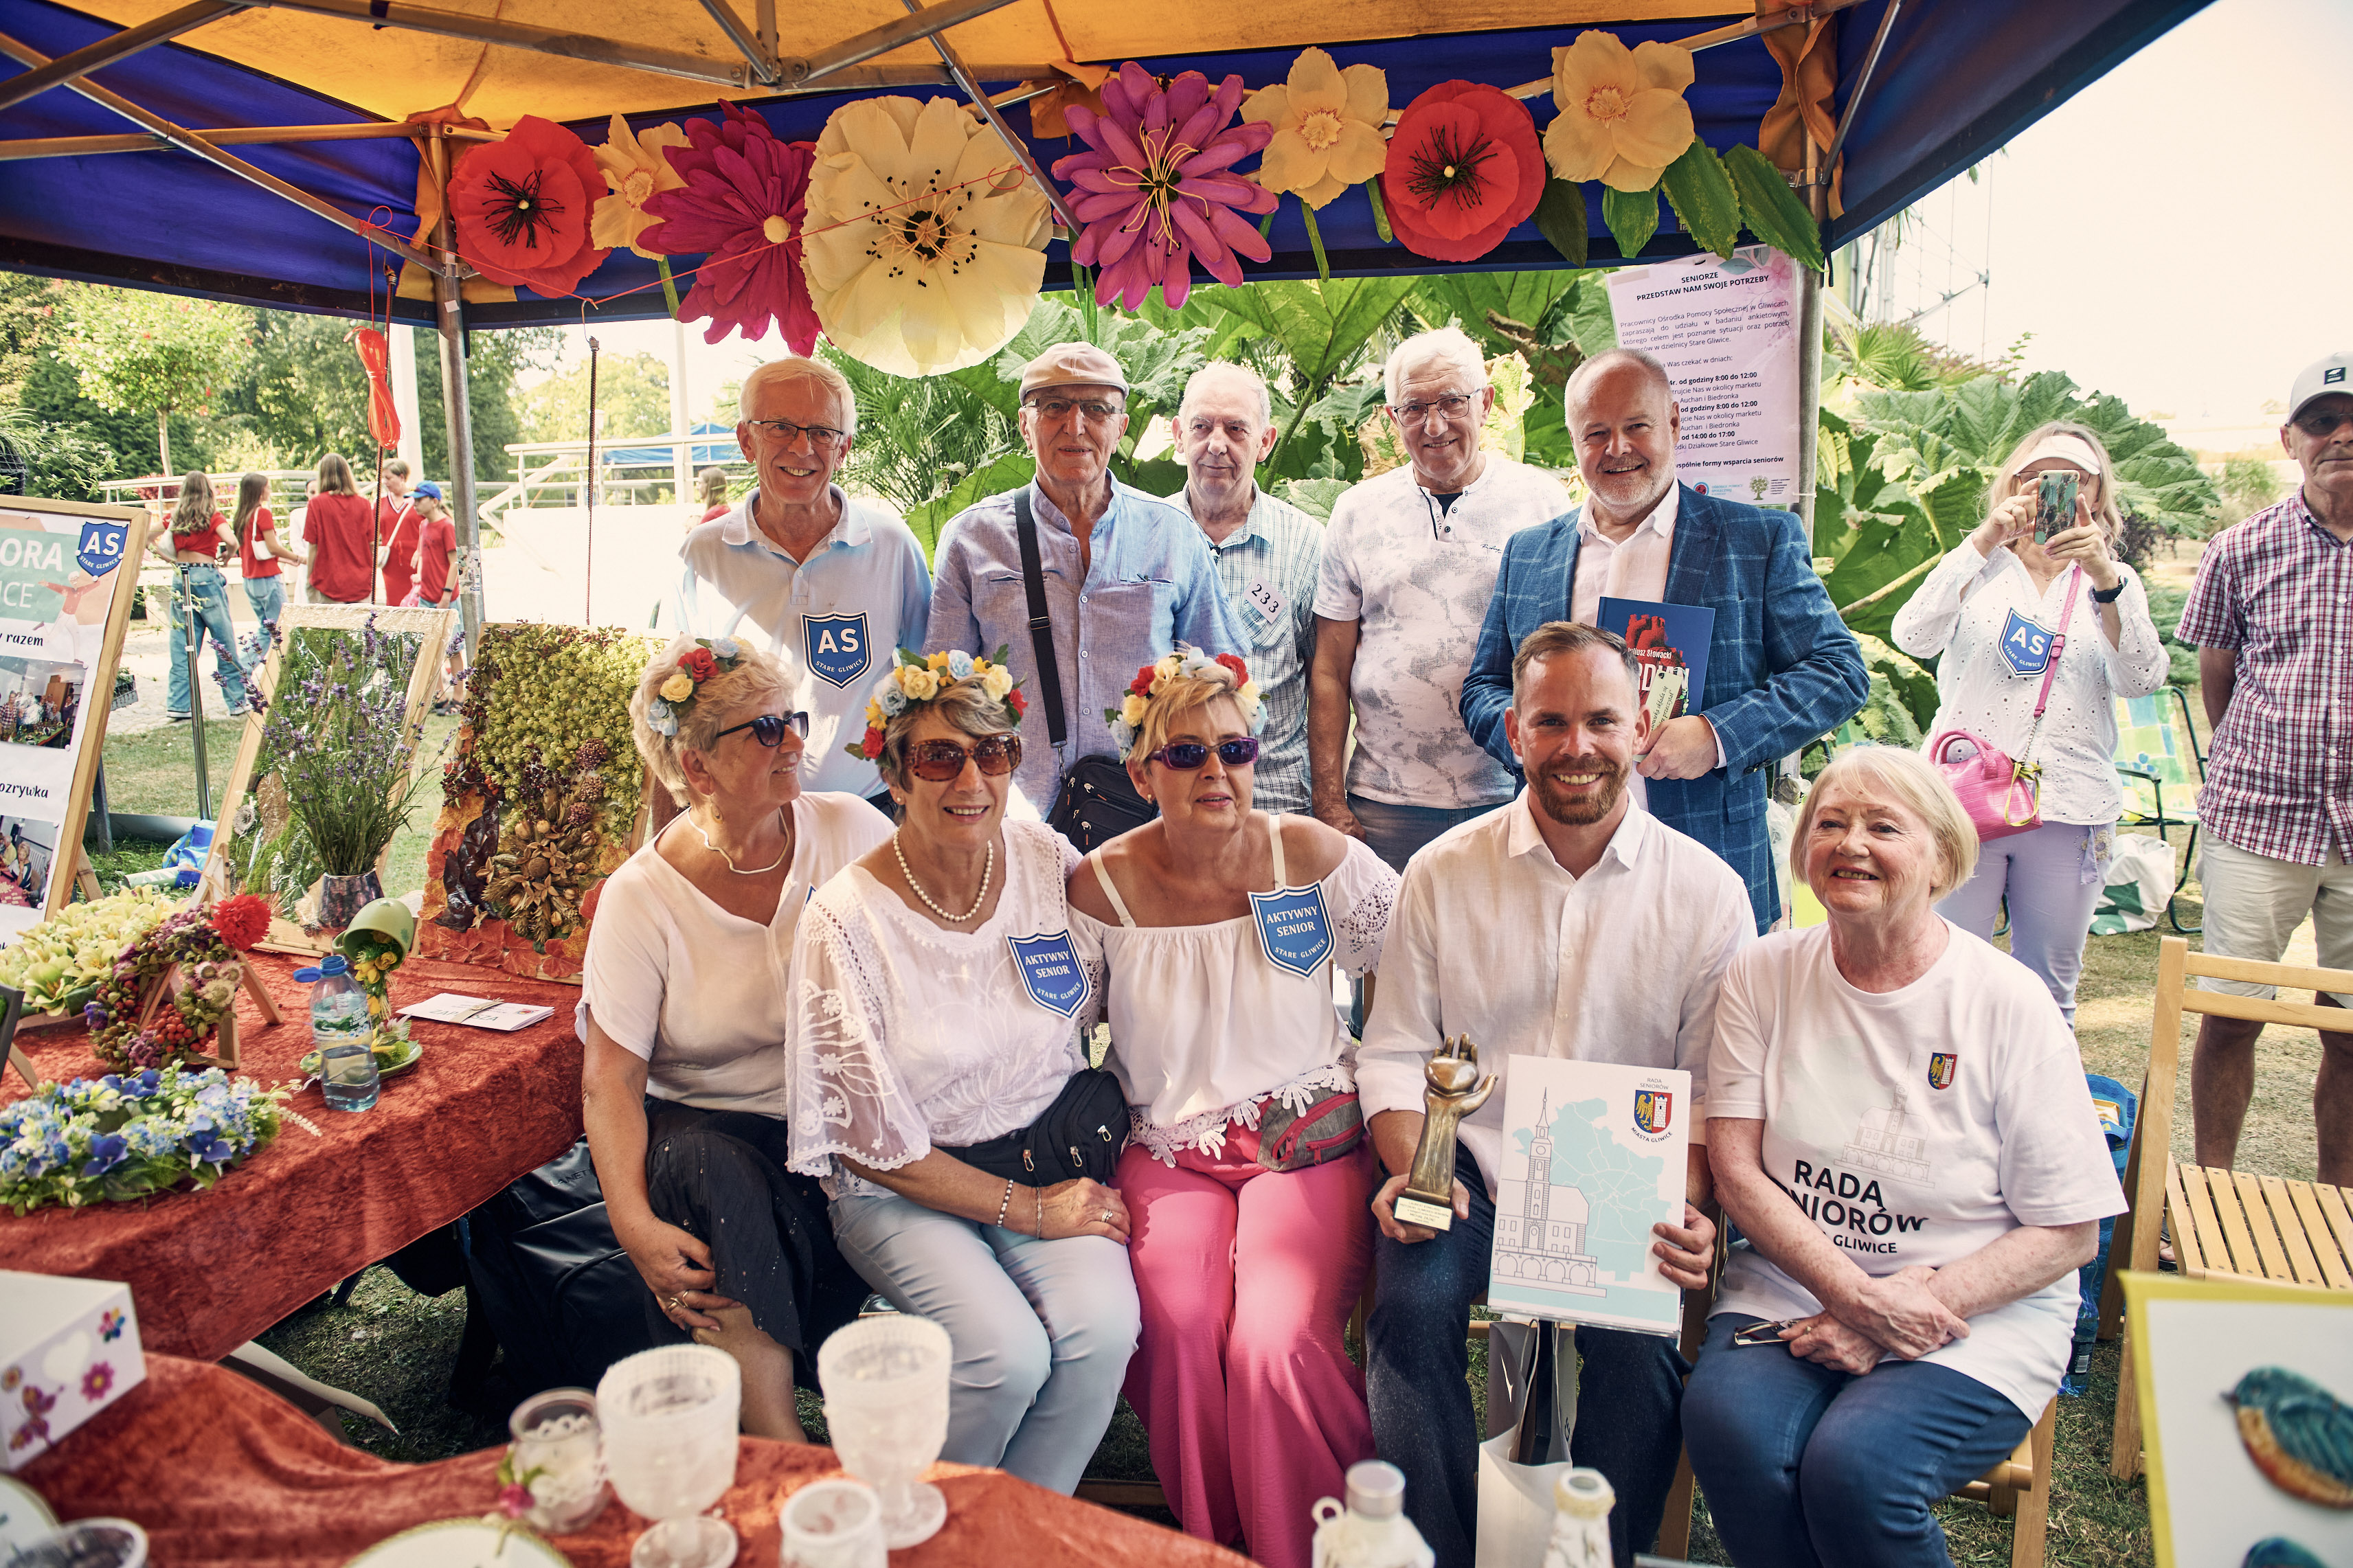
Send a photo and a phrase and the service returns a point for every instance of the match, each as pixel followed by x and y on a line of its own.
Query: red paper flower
pixel 1019 703
pixel 700 665
pixel 1464 170
pixel 872 746
pixel 242 919
pixel 1142 684
pixel 1233 662
pixel 746 194
pixel 522 208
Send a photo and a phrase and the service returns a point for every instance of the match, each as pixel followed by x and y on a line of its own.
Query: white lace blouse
pixel 1961 609
pixel 1205 1030
pixel 904 1035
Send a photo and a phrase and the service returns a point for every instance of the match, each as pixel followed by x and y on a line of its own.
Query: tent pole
pixel 1809 351
pixel 115 46
pixel 457 413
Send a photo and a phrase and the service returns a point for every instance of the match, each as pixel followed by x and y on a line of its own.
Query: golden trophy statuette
pixel 1456 1090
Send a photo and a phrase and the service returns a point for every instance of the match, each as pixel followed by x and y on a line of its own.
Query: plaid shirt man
pixel 1268 568
pixel 2279 779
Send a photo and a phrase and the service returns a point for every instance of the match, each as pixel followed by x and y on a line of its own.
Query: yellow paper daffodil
pixel 1622 116
pixel 634 168
pixel 1327 127
pixel 938 662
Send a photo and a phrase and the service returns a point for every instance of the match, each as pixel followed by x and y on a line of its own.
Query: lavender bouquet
pixel 341 745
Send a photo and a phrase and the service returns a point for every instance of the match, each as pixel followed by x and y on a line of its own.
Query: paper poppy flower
pixel 700 663
pixel 1155 187
pixel 1464 170
pixel 746 195
pixel 634 170
pixel 1327 127
pixel 521 208
pixel 1233 665
pixel 242 919
pixel 1623 115
pixel 930 243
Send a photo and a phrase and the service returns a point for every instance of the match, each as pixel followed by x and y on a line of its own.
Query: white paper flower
pixel 924 245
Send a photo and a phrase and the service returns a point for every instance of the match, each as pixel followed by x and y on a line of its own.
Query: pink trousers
pixel 1242 1378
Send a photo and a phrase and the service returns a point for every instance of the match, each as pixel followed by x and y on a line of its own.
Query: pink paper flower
pixel 1156 186
pixel 746 194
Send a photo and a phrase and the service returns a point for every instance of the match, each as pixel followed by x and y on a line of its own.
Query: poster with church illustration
pixel 1593 1157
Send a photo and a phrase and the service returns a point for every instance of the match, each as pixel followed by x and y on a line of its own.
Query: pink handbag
pixel 2002 796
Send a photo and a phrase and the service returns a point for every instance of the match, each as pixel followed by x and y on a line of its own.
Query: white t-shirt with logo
pixel 1416 576
pixel 1915 1127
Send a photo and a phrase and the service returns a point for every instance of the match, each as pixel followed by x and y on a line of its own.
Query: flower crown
pixel 676 699
pixel 1187 663
pixel 915 677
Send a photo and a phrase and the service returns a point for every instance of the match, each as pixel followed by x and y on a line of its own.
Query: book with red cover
pixel 1670 643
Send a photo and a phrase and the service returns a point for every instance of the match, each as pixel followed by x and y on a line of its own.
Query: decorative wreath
pixel 916 678
pixel 1152 679
pixel 676 698
pixel 205 944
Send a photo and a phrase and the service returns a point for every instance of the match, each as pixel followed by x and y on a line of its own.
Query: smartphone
pixel 1765 1333
pixel 2054 503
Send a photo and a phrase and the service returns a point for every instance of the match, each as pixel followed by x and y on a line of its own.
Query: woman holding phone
pixel 2025 592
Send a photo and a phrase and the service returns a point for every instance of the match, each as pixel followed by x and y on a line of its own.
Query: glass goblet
pixel 669 1417
pixel 886 1407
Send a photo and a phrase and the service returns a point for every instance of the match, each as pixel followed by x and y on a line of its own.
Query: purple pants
pixel 2053 883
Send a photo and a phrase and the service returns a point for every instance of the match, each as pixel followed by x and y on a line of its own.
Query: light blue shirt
pixel 1268 567
pixel 1150 583
pixel 862 592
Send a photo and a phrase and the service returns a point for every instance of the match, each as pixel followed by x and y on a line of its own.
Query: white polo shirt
pixel 862 592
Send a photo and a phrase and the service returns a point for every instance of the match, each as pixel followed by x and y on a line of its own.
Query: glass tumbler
pixel 834 1523
pixel 555 1434
pixel 886 1407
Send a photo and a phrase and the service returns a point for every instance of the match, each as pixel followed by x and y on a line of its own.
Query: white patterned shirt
pixel 1268 568
pixel 1417 576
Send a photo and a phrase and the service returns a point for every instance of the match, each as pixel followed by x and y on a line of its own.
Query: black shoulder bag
pixel 1096 802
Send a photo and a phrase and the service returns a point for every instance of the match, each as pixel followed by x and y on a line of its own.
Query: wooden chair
pixel 2225 1225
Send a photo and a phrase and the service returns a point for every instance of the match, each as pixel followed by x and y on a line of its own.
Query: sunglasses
pixel 769 729
pixel 1186 755
pixel 942 761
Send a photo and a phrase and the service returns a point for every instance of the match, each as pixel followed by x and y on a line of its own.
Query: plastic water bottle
pixel 1372 1531
pixel 339 1032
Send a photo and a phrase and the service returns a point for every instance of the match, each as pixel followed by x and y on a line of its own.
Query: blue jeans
pixel 1417 1358
pixel 1805 1465
pixel 1394 832
pixel 210 591
pixel 268 598
pixel 2052 887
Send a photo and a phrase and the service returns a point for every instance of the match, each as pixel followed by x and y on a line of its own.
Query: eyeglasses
pixel 2324 422
pixel 1446 403
pixel 942 761
pixel 1185 755
pixel 784 432
pixel 1094 411
pixel 769 729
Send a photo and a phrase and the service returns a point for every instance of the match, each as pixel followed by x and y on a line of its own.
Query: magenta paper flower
pixel 1156 186
pixel 746 193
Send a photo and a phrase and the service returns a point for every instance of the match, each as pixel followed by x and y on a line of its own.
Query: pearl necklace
pixel 988 870
pixel 731 859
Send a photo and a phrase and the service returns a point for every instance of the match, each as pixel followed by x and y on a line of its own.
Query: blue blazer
pixel 1782 669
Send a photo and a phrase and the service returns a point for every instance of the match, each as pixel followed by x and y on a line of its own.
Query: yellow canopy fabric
pixel 393 72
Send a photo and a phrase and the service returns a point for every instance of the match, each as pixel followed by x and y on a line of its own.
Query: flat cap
pixel 1073 364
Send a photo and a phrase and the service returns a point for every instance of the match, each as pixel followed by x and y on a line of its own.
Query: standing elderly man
pixel 1617 930
pixel 2272 617
pixel 1125 576
pixel 1409 560
pixel 1782 669
pixel 1267 554
pixel 837 582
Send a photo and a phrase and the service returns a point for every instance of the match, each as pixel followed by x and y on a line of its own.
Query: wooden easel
pixel 224 1053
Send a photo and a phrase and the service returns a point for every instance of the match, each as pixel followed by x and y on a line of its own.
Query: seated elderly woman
pixel 1249 1179
pixel 1898 1124
pixel 683 1011
pixel 937 1070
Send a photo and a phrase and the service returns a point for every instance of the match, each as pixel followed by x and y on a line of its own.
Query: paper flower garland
pixel 1463 170
pixel 742 208
pixel 930 245
pixel 521 208
pixel 1155 187
pixel 634 170
pixel 1622 116
pixel 1327 127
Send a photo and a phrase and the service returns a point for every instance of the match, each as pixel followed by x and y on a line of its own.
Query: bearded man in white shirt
pixel 1567 923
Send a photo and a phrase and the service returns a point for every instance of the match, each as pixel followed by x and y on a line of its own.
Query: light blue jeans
pixel 268 598
pixel 211 592
pixel 2053 882
pixel 1394 832
pixel 1041 1329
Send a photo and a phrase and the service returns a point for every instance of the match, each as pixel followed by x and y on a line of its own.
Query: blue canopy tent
pixel 174 166
pixel 700 454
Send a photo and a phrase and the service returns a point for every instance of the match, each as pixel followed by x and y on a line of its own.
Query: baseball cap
pixel 2319 378
pixel 426 487
pixel 1073 364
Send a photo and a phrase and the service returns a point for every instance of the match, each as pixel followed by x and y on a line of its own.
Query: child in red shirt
pixel 395 530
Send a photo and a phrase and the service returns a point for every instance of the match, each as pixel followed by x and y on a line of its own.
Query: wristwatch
pixel 2108 595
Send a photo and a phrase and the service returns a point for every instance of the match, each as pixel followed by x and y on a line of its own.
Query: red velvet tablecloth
pixel 209 1270
pixel 221 1472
